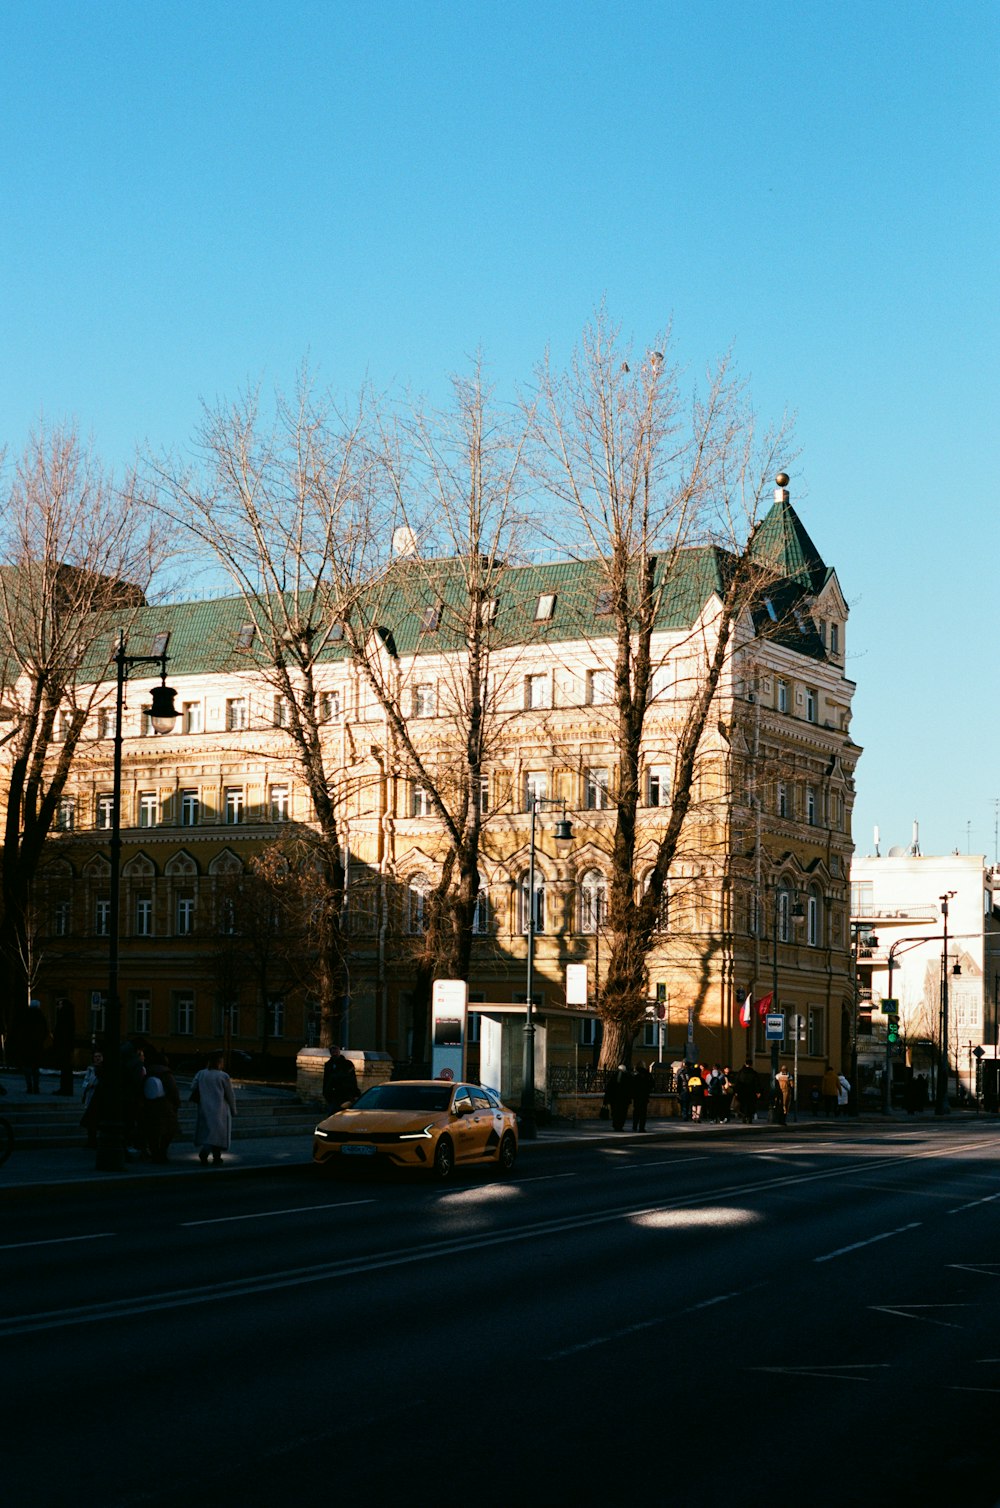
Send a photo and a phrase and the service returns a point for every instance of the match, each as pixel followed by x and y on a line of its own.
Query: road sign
pixel 774 1027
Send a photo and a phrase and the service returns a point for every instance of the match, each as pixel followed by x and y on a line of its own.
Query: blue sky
pixel 194 194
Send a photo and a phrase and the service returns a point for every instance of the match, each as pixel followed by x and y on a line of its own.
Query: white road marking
pixel 871 1241
pixel 845 1371
pixel 102 1235
pixel 545 1178
pixel 909 1311
pixel 299 1209
pixel 988 1199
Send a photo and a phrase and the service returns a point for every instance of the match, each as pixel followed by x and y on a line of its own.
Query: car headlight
pixel 425 1134
pixel 320 1132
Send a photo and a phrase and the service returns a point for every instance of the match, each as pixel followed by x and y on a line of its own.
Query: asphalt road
pixel 813 1315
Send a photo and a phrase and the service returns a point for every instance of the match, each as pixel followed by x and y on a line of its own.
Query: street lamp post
pixel 871 943
pixel 163 713
pixel 941 1096
pixel 563 832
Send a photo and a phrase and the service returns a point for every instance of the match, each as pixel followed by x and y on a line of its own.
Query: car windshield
pixel 406 1097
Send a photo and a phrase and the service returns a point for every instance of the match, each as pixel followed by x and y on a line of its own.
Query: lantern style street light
pixel 163 715
pixel 563 833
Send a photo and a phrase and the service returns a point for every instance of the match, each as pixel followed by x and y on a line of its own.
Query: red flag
pixel 764 1004
pixel 745 1010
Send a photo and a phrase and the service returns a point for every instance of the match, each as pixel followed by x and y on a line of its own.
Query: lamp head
pixel 563 829
pixel 162 712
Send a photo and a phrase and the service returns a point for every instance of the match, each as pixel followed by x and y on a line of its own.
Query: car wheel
pixel 507 1155
pixel 444 1159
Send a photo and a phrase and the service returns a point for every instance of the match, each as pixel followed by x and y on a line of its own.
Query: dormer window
pixel 488 610
pixel 334 634
pixel 159 644
pixel 771 613
pixel 545 607
pixel 604 603
pixel 245 637
pixel 431 620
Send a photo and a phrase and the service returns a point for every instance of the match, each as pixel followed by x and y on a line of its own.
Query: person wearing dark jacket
pixel 642 1084
pixel 746 1092
pixel 340 1082
pixel 618 1095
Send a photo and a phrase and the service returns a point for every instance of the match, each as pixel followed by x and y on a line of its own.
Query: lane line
pixel 325 1272
pixel 871 1241
pixel 300 1209
pixel 988 1199
pixel 103 1235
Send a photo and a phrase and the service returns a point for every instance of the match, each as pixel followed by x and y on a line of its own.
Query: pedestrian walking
pixel 340 1082
pixel 746 1092
pixel 713 1094
pixel 618 1095
pixel 696 1091
pixel 843 1093
pixel 642 1084
pixel 784 1082
pixel 161 1102
pixel 90 1095
pixel 830 1090
pixel 212 1092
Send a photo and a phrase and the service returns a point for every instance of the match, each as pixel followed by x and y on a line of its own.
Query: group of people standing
pixel 150 1102
pixel 716 1094
pixel 627 1087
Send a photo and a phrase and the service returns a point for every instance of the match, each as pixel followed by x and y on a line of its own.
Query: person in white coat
pixel 212 1092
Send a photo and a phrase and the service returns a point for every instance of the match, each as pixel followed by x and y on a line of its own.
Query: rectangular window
pixel 276 1011
pixel 193 717
pixel 98 1012
pixel 148 808
pixel 811 808
pixel 431 619
pixel 280 712
pixel 62 727
pixel 105 809
pixel 102 916
pixel 144 916
pixel 279 803
pixel 536 691
pixel 106 722
pixel 420 801
pixel 588 1031
pixel 484 794
pixel 190 808
pixel 596 790
pixel 835 638
pixel 329 706
pixel 185 915
pixel 245 637
pixel 423 699
pixel 183 1002
pixel 66 814
pixel 488 610
pixel 661 682
pixel 781 695
pixel 812 921
pixel 236 713
pixel 599 686
pixel 60 919
pixel 816 1042
pixel 536 788
pixel 812 704
pixel 235 805
pixel 657 785
pixel 781 799
pixel 603 603
pixel 140 1011
pixel 545 607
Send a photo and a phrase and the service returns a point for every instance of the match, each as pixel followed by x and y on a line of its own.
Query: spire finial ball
pixel 781 480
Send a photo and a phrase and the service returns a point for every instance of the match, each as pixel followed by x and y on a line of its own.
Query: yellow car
pixel 419 1123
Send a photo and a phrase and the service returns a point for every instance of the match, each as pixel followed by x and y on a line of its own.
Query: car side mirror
pixel 463 1108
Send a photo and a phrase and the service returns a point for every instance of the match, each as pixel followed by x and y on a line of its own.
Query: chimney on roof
pixel 781 487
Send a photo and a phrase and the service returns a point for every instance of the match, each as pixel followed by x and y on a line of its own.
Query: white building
pixel 898 922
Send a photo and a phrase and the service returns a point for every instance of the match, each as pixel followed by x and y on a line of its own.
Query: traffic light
pixel 892 1032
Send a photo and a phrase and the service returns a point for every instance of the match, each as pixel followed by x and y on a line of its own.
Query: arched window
pixel 481 915
pixel 593 900
pixel 539 904
pixel 784 904
pixel 417 894
pixel 813 920
pixel 663 916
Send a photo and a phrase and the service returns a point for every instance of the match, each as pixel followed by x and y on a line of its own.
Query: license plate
pixel 359 1151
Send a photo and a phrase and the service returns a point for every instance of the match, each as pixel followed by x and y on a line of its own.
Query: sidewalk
pixel 48 1170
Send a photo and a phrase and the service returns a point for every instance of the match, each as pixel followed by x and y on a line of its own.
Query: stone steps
pixel 48 1121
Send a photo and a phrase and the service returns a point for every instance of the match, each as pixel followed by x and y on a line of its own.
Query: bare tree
pixel 78 554
pixel 287 504
pixel 665 500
